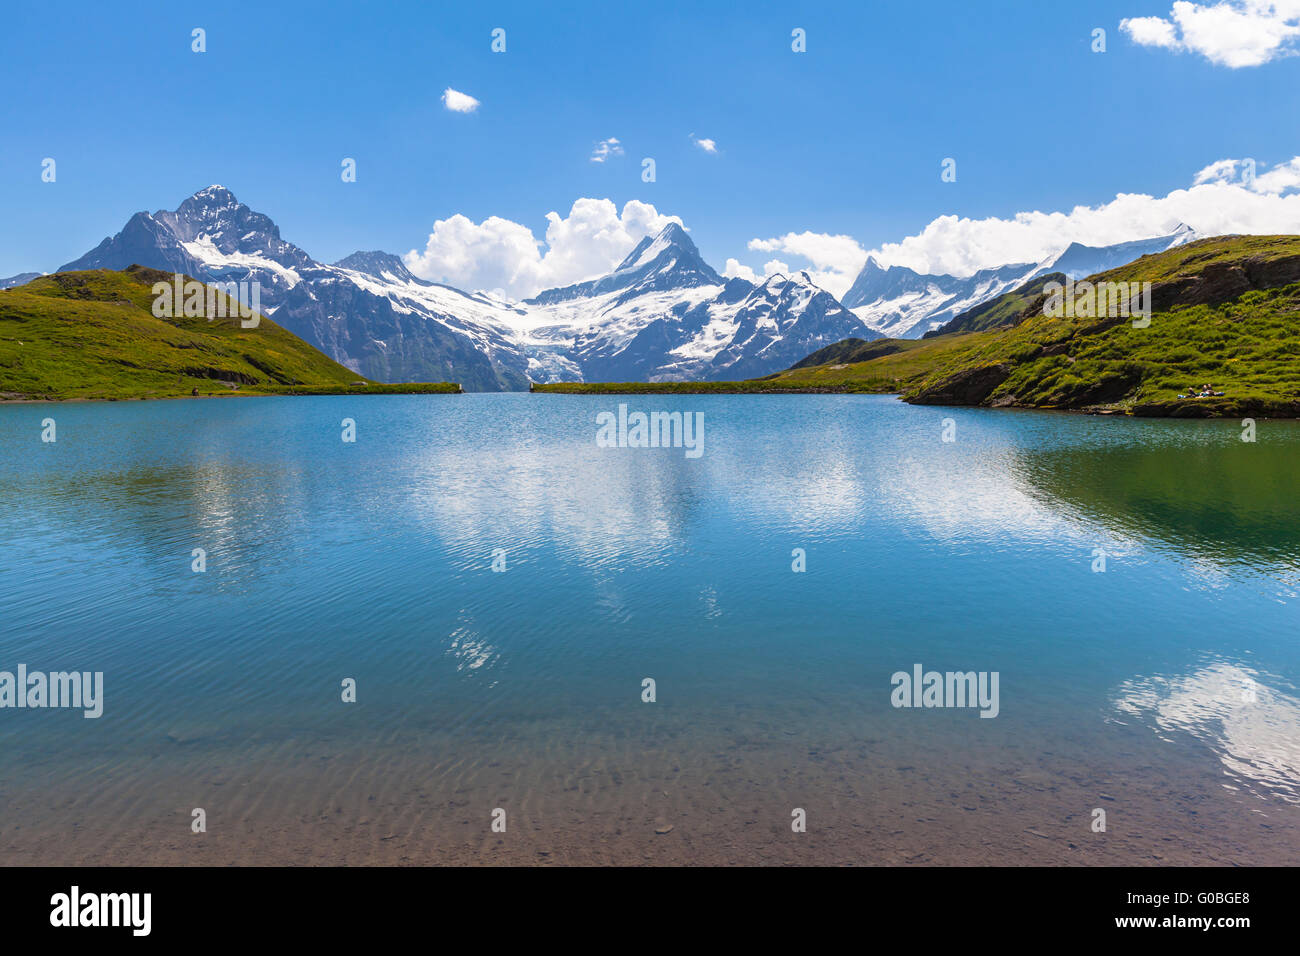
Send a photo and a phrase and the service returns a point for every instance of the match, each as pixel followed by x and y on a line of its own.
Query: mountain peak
pixel 210 236
pixel 215 211
pixel 376 263
pixel 213 216
pixel 670 237
pixel 674 232
pixel 666 260
pixel 796 277
pixel 213 197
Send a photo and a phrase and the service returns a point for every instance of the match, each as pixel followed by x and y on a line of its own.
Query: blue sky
pixel 846 138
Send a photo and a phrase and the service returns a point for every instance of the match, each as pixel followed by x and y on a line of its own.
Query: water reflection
pixel 374 561
pixel 1253 728
pixel 1190 488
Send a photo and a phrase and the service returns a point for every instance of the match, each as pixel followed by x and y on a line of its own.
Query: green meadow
pixel 93 335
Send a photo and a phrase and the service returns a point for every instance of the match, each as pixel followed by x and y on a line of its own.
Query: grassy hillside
pixel 852 350
pixel 92 335
pixel 905 363
pixel 1226 311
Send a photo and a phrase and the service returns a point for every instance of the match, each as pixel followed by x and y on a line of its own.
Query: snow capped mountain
pixel 210 236
pixel 380 265
pixel 664 315
pixel 657 264
pixel 21 279
pixel 661 314
pixel 902 303
pixel 905 304
pixel 366 311
pixel 1079 261
pixel 145 240
pixel 746 331
pixel 404 329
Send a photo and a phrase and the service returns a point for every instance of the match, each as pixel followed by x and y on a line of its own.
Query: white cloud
pixel 1151 31
pixel 1222 171
pixel 458 102
pixel 835 259
pixel 735 270
pixel 1282 178
pixel 708 145
pixel 1229 196
pixel 1231 33
pixel 605 149
pixel 499 255
pixel 502 256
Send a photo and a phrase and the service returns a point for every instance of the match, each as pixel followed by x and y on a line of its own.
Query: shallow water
pixel 1163 691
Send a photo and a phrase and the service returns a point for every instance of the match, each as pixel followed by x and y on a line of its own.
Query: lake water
pixel 1163 691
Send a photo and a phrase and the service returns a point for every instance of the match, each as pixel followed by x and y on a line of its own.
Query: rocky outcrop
pixel 1223 281
pixel 1118 381
pixel 970 386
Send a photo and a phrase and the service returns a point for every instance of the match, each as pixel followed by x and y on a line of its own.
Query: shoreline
pixel 422 388
pixel 1186 409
